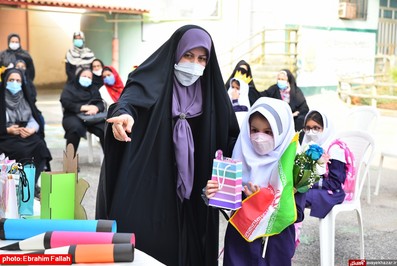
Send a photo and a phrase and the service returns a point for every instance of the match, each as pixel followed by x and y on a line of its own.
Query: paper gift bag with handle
pixel 228 173
pixel 26 189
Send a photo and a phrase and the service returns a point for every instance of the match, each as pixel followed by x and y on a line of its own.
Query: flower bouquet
pixel 307 167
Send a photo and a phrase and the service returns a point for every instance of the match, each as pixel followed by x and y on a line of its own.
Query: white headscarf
pixel 259 169
pixel 244 89
pixel 327 134
pixel 242 100
pixel 326 138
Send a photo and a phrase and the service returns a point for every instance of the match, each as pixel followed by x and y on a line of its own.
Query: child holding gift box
pixel 262 232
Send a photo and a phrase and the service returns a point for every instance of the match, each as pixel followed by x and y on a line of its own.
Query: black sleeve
pixel 70 72
pixel 253 95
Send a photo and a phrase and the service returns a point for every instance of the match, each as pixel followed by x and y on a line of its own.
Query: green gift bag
pixel 57 195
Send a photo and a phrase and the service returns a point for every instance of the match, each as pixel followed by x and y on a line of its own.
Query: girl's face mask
pixel 313 136
pixel 262 143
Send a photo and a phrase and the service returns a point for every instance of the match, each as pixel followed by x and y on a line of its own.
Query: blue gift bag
pixel 27 186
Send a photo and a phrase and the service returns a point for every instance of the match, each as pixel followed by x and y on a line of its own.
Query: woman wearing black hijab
pixel 286 89
pixel 21 129
pixel 242 68
pixel 176 115
pixel 15 52
pixel 96 68
pixel 77 97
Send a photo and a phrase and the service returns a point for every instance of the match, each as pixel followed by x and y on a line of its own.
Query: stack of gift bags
pixel 17 185
pixel 62 226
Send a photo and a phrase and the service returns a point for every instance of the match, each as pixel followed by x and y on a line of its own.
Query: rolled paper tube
pixel 19 229
pixel 95 253
pixel 54 239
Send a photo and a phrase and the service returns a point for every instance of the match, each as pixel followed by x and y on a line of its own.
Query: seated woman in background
pixel 31 88
pixel 113 85
pixel 81 97
pixel 328 191
pixel 96 68
pixel 286 89
pixel 21 129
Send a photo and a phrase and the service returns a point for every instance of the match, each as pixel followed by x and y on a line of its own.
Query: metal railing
pixel 262 46
pixel 374 88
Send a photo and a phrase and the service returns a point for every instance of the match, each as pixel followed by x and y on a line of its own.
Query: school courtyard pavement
pixel 379 217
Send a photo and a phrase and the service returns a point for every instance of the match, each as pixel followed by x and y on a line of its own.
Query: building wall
pixel 13 21
pixel 329 47
pixel 51 36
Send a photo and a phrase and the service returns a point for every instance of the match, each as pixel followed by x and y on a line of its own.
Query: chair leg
pixel 90 149
pixel 379 175
pixel 327 240
pixel 368 188
pixel 361 229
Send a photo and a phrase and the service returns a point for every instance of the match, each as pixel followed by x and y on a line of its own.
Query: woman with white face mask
pixel 328 191
pixel 96 68
pixel 15 52
pixel 269 208
pixel 163 131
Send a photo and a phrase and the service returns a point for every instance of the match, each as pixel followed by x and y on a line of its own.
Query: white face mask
pixel 13 45
pixel 262 143
pixel 313 136
pixel 97 72
pixel 187 73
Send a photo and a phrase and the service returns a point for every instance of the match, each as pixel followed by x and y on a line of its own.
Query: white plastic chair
pixel 363 118
pixel 362 145
pixel 90 149
pixel 390 151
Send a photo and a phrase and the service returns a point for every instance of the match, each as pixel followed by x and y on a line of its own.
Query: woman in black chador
pixel 21 128
pixel 78 97
pixel 172 116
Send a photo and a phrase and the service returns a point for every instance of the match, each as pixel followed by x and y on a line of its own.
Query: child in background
pixel 238 94
pixel 269 209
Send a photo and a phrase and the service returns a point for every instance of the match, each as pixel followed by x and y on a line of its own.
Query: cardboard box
pixel 57 195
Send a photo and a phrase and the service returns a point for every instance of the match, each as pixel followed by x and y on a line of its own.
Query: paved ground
pixel 380 217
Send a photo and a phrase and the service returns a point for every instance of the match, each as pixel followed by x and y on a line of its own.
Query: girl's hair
pixel 235 80
pixel 316 117
pixel 256 114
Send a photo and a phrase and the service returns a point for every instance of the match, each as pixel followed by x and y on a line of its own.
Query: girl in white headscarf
pixel 238 94
pixel 266 147
pixel 328 191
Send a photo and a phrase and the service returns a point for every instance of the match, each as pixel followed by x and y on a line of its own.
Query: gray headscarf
pixel 17 108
